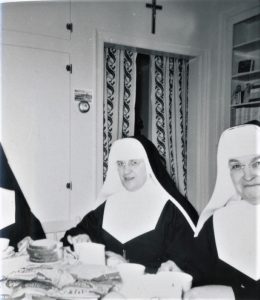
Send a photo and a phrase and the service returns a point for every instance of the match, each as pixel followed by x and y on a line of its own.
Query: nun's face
pixel 132 173
pixel 245 174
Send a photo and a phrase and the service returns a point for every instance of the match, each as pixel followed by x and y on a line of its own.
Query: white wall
pixel 185 23
pixel 193 24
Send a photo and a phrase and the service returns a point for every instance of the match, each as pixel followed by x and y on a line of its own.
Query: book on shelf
pixel 245 114
pixel 254 94
pixel 246 65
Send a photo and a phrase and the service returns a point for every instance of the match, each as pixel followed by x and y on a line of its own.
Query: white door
pixel 35 121
pixel 45 18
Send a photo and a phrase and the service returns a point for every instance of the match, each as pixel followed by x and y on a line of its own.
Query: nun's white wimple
pixel 234 142
pixel 126 149
pixel 236 231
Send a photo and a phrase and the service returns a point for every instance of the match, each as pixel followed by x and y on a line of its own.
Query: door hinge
pixel 69 185
pixel 69 68
pixel 69 26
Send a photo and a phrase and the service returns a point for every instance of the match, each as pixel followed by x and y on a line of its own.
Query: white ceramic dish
pixel 45 251
pixel 130 271
pixel 44 244
pixel 150 286
pixel 177 278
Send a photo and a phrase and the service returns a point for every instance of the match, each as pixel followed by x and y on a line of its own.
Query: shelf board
pixel 252 103
pixel 246 76
pixel 248 46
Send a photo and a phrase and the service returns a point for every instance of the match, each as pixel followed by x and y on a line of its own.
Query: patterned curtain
pixel 169 102
pixel 119 98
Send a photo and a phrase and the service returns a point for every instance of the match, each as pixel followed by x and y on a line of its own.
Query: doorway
pixel 197 179
pixel 142 106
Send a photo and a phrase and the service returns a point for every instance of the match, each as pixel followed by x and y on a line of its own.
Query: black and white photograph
pixel 130 149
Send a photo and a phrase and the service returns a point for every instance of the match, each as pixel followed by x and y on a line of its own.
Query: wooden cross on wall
pixel 154 7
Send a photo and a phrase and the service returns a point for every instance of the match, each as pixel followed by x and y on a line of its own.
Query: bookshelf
pixel 245 79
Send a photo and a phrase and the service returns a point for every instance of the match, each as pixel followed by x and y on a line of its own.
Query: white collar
pixel 131 214
pixel 237 231
pixel 125 149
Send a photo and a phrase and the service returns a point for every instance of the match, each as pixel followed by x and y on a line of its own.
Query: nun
pixel 17 223
pixel 140 214
pixel 227 234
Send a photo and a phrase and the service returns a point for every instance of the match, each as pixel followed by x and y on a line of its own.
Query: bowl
pixel 130 271
pixel 177 278
pixel 4 243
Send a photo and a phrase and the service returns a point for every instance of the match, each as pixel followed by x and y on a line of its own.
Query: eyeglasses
pixel 236 166
pixel 132 163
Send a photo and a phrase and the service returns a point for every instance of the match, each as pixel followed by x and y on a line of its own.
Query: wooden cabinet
pixel 245 81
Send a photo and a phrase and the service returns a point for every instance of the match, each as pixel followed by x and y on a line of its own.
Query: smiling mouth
pixel 127 179
pixel 252 185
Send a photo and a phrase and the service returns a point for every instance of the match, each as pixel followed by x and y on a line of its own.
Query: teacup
pixel 90 253
pixel 130 271
pixel 4 243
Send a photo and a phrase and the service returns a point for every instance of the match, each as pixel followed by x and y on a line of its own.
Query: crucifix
pixel 153 6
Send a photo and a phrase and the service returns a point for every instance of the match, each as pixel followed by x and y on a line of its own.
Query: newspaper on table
pixel 52 281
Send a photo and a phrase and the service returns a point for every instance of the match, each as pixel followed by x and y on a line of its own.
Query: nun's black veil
pixel 26 224
pixel 164 178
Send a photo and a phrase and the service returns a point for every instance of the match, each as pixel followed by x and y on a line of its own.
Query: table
pixel 66 279
pixel 71 279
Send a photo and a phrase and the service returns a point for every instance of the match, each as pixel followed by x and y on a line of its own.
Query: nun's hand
pixel 114 259
pixel 22 245
pixel 169 266
pixel 81 238
pixel 210 292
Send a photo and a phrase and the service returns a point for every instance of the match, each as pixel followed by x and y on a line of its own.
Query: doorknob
pixel 69 185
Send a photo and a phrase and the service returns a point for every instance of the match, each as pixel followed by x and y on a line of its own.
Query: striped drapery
pixel 119 97
pixel 169 102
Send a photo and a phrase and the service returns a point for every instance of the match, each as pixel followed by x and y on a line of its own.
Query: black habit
pixel 26 224
pixel 210 270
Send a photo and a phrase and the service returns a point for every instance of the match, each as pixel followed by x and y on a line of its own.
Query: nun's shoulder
pixel 181 217
pixel 208 228
pixel 97 211
pixel 175 210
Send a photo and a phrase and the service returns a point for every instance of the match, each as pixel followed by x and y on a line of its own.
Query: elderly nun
pixel 140 214
pixel 228 252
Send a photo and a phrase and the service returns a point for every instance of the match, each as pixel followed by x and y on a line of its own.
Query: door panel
pixel 35 127
pixel 44 18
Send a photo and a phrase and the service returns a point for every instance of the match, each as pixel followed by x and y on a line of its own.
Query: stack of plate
pixel 44 251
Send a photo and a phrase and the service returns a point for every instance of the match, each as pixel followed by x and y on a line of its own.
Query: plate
pixel 44 244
